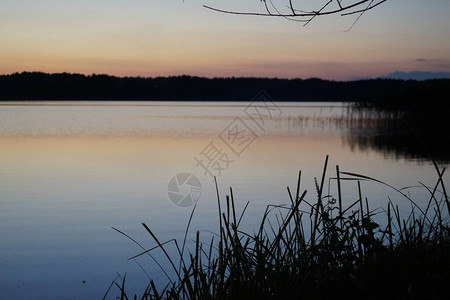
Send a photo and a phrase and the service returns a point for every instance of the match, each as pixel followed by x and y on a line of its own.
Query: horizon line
pixel 236 77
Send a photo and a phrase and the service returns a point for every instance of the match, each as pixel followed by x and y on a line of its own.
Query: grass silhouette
pixel 315 250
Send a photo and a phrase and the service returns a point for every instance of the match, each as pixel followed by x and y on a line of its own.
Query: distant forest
pixel 65 86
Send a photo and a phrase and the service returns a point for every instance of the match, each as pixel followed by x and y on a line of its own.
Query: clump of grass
pixel 317 250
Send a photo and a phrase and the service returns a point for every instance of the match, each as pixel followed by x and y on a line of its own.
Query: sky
pixel 173 37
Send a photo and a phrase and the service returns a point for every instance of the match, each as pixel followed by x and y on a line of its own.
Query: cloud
pixel 421 60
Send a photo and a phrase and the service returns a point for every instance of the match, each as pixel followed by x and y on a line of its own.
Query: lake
pixel 70 171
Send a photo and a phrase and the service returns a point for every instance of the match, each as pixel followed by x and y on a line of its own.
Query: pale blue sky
pixel 162 37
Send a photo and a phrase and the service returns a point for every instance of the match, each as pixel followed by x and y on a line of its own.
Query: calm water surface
pixel 69 172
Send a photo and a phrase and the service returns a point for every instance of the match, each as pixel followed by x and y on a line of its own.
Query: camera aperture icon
pixel 184 189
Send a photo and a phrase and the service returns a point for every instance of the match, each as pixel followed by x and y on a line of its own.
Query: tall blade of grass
pixel 163 249
pixel 218 204
pixel 143 270
pixel 123 295
pixel 361 209
pixel 386 184
pixel 221 239
pixel 447 201
pixel 149 250
pixel 339 193
pixel 297 194
pixel 319 203
pixel 263 225
pixel 286 223
pixel 243 212
pixel 228 206
pixel 432 197
pixel 188 289
pixel 391 243
pixel 367 208
pixel 145 251
pixel 110 286
pixel 232 202
pixel 185 236
pixel 441 174
pixel 399 223
pixel 298 185
pixel 290 196
pixel 152 284
pixel 196 268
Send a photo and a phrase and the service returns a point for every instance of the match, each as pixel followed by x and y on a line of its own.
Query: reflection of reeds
pixel 354 118
pixel 418 135
pixel 317 250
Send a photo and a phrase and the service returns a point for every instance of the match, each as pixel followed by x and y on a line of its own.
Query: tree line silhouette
pixel 386 93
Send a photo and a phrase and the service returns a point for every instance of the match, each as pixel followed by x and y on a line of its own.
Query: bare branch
pixel 319 12
pixel 291 6
pixel 330 7
pixel 287 18
pixel 364 10
pixel 267 8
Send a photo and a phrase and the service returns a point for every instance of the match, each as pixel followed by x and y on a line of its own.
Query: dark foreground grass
pixel 316 250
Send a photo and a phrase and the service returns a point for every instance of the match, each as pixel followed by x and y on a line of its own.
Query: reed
pixel 316 250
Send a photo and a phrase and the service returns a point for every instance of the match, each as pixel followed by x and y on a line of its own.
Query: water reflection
pixel 412 135
pixel 69 173
pixel 417 136
pixel 421 137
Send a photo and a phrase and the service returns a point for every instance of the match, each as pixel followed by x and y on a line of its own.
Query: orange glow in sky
pixel 161 38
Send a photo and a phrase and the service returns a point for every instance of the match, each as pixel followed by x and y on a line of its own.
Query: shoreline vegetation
pixel 387 93
pixel 313 249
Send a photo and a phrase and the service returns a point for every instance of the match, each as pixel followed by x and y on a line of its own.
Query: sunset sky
pixel 162 37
